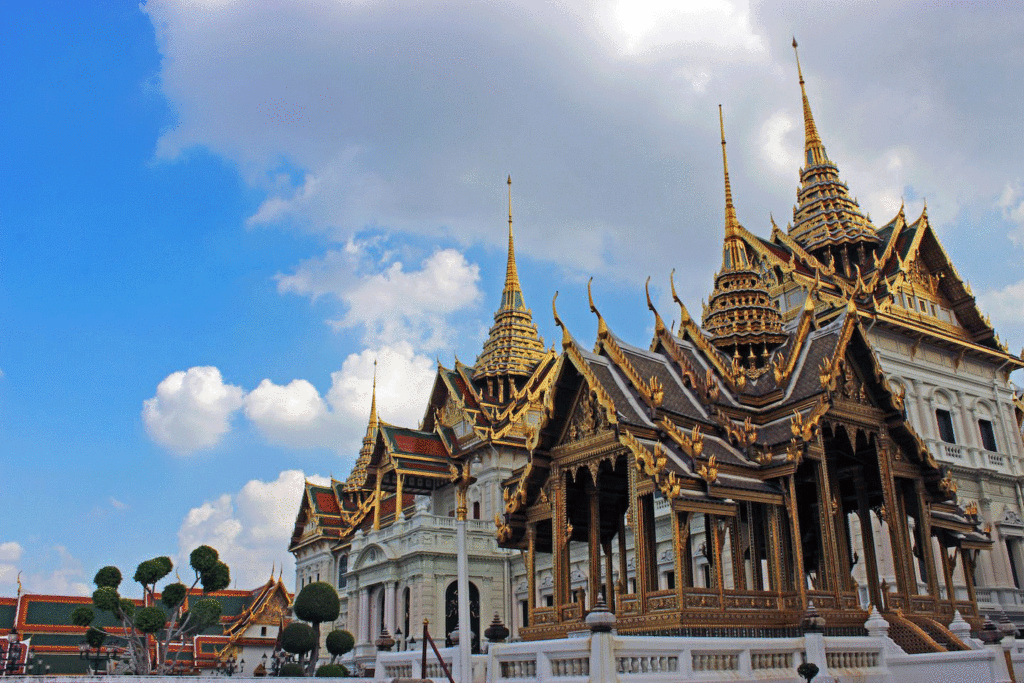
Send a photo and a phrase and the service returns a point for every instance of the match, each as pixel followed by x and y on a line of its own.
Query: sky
pixel 215 215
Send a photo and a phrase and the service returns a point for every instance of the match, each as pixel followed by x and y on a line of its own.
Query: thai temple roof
pixel 741 316
pixel 513 346
pixel 825 213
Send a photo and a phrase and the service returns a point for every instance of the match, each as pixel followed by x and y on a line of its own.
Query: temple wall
pixel 971 391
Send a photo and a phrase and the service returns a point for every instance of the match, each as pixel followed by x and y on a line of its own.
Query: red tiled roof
pixel 327 502
pixel 415 444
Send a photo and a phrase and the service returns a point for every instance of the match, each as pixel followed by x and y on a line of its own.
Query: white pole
pixel 465 636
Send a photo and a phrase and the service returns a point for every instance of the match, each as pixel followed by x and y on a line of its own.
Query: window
pixel 476 509
pixel 263 630
pixel 342 570
pixel 549 600
pixel 945 422
pixel 670 580
pixel 988 435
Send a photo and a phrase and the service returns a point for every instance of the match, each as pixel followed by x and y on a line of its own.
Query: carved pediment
pixel 588 419
pixel 1011 518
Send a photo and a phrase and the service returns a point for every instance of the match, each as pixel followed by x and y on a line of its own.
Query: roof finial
pixel 373 397
pixel 731 223
pixel 811 138
pixel 512 297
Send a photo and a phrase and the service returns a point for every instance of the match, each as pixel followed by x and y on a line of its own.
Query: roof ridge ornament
pixel 602 326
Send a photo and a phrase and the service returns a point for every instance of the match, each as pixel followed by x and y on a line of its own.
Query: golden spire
pixel 513 346
pixel 512 295
pixel 358 475
pixel 740 312
pixel 373 400
pixel 734 253
pixel 811 139
pixel 825 216
pixel 731 223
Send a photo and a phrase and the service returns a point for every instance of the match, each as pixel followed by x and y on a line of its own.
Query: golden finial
pixel 19 584
pixel 373 397
pixel 566 337
pixel 512 297
pixel 731 223
pixel 602 328
pixel 811 138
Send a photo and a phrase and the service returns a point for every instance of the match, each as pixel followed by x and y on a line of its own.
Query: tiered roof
pixel 704 435
pixel 741 318
pixel 825 213
pixel 513 347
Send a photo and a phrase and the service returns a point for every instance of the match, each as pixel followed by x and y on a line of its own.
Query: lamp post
pixel 96 654
pixel 229 666
pixel 11 655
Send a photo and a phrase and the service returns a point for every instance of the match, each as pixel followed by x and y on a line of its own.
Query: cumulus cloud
pixel 294 414
pixel 59 573
pixel 191 410
pixel 250 528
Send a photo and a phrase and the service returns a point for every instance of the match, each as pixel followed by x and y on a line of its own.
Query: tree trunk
pixel 314 654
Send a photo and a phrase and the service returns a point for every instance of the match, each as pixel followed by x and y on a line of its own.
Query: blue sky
pixel 215 215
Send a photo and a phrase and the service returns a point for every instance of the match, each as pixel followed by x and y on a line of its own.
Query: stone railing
pixel 969 456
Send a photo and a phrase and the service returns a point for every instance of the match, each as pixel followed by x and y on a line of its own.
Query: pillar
pixel 364 615
pixel 389 606
pixel 594 545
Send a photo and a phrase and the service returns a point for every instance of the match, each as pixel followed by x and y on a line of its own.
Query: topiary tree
pixel 299 639
pixel 332 671
pixel 339 643
pixel 164 619
pixel 316 603
pixel 291 670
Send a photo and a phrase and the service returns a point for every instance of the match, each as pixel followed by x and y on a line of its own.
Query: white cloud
pixel 1011 202
pixel 250 528
pixel 644 25
pixel 10 551
pixel 779 147
pixel 117 505
pixel 1005 307
pixel 394 305
pixel 191 410
pixel 66 578
pixel 297 416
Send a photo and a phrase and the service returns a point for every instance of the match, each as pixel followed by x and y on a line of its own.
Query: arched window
pixel 342 570
pixel 476 509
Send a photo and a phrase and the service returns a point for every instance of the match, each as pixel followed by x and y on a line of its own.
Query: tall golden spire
pixel 513 347
pixel 512 295
pixel 812 142
pixel 741 316
pixel 731 223
pixel 358 475
pixel 826 217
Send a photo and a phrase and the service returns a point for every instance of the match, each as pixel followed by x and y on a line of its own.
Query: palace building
pixel 836 431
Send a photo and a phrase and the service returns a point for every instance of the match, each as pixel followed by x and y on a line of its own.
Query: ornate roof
pixel 513 346
pixel 740 314
pixel 825 213
pixel 357 477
